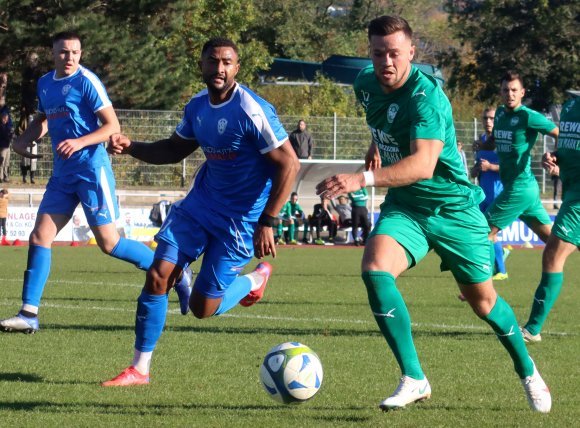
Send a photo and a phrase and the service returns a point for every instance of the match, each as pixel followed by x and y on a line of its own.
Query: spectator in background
pixel 320 217
pixel 344 211
pixel 4 196
pixel 463 156
pixel 360 215
pixel 291 215
pixel 28 165
pixel 302 141
pixel 6 134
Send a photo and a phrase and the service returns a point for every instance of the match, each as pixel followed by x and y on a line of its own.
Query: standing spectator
pixel 28 164
pixel 463 156
pixel 4 196
pixel 360 215
pixel 321 216
pixel 302 141
pixel 6 134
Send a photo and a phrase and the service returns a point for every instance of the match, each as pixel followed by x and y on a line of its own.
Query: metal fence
pixel 334 138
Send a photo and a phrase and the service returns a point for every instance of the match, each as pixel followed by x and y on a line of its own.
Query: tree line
pixel 146 51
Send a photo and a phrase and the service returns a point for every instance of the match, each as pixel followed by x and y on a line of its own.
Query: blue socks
pixel 150 320
pixel 36 274
pixel 133 252
pixel 235 292
pixel 499 261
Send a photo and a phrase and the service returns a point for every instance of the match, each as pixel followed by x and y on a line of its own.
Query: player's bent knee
pixel 202 306
pixel 156 282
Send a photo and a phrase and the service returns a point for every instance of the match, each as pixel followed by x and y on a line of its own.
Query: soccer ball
pixel 291 373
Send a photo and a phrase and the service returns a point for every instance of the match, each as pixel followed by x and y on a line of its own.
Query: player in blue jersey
pixel 486 169
pixel 72 102
pixel 228 216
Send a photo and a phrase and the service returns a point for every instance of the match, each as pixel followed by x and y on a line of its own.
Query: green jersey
pixel 417 110
pixel 291 209
pixel 359 198
pixel 515 134
pixel 569 146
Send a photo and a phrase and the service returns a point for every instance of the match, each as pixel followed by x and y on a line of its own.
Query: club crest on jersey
pixel 392 112
pixel 66 89
pixel 222 123
pixel 514 121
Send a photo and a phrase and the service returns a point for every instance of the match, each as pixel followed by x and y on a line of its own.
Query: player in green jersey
pixel 565 237
pixel 430 205
pixel 515 131
pixel 291 215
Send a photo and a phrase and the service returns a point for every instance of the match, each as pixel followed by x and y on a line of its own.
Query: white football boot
pixel 529 337
pixel 19 324
pixel 409 391
pixel 537 391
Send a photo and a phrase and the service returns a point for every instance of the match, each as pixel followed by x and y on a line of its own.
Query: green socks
pixel 545 297
pixel 503 322
pixel 393 319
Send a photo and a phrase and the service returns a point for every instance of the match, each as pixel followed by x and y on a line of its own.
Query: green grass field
pixel 205 372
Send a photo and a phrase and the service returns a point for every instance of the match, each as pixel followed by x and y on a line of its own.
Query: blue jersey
pixel 489 181
pixel 70 105
pixel 236 178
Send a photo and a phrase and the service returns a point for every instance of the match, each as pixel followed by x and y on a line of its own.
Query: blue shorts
pixel 226 243
pixel 93 188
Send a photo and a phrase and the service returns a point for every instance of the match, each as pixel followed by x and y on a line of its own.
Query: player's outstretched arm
pixel 286 166
pixel 411 169
pixel 162 152
pixel 35 131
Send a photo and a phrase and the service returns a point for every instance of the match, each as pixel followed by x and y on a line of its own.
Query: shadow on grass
pixel 20 377
pixel 275 330
pixel 241 411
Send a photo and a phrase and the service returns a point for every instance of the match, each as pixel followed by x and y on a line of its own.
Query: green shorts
pixel 518 201
pixel 460 238
pixel 567 223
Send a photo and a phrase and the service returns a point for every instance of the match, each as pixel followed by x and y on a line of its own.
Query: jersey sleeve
pixel 95 93
pixel 538 122
pixel 267 130
pixel 185 128
pixel 428 122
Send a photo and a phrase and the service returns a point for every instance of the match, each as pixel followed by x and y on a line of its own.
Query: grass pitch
pixel 205 372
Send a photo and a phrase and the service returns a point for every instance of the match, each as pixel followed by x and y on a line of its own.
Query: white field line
pixel 439 326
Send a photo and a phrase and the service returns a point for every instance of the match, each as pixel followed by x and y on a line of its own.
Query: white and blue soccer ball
pixel 291 373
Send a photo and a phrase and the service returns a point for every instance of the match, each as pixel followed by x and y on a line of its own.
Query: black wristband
pixel 267 220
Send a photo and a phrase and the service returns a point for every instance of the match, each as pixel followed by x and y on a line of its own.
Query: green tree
pixel 539 38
